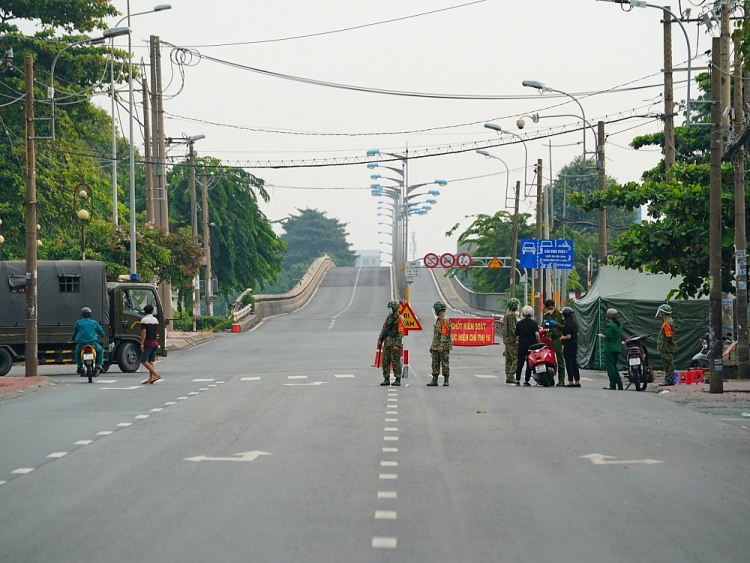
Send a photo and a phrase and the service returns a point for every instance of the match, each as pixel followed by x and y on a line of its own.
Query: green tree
pixel 312 234
pixel 492 235
pixel 245 251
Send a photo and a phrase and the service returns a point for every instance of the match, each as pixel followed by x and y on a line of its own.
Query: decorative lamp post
pixel 82 196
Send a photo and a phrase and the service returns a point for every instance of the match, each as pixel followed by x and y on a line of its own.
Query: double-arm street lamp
pixel 159 8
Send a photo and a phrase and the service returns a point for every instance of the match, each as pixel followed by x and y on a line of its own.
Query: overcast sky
pixel 484 48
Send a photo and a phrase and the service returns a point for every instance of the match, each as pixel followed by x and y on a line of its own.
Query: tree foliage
pixel 245 251
pixel 312 234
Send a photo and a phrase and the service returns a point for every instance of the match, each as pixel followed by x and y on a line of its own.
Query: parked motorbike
pixel 88 368
pixel 640 372
pixel 700 360
pixel 542 360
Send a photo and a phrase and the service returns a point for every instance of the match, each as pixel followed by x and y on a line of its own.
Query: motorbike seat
pixel 538 346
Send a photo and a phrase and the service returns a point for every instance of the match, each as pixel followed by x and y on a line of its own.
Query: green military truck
pixel 64 288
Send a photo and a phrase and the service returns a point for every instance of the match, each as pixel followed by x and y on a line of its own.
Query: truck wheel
pixel 6 361
pixel 129 357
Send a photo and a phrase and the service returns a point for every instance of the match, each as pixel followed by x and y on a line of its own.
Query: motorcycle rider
pixel 527 333
pixel 553 321
pixel 87 331
pixel 665 344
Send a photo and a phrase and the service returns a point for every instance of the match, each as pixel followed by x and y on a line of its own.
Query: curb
pixel 180 343
pixel 35 384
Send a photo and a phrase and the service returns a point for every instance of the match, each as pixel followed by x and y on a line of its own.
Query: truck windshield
pixel 134 301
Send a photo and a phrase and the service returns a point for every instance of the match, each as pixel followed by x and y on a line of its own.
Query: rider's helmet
pixel 85 312
pixel 527 311
pixel 513 304
pixel 439 306
pixel 663 310
pixel 393 305
pixel 612 313
pixel 568 312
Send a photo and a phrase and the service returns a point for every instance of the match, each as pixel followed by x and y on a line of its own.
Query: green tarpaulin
pixel 637 296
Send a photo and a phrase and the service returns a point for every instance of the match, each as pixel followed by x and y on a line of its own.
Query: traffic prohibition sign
pixel 430 260
pixel 463 260
pixel 447 260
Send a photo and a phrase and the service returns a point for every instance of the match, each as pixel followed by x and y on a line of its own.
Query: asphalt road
pixel 318 463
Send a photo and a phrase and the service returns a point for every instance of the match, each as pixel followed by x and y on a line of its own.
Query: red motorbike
pixel 542 360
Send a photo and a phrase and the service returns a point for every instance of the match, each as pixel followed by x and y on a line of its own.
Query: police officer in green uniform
pixel 442 343
pixel 553 321
pixel 509 340
pixel 665 344
pixel 390 342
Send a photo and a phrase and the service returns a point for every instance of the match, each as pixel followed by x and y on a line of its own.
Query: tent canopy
pixel 637 296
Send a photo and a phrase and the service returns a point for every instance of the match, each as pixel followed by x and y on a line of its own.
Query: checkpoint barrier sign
pixel 463 260
pixel 431 260
pixel 447 260
pixel 408 319
pixel 472 331
pixel 546 253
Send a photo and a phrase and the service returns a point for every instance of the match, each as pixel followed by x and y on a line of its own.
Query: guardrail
pixel 493 302
pixel 270 305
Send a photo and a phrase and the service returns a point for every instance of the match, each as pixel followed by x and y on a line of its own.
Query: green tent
pixel 637 296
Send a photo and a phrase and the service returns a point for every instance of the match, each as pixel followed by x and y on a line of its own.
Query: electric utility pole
pixel 714 301
pixel 538 301
pixel 150 215
pixel 514 251
pixel 669 133
pixel 194 226
pixel 31 354
pixel 206 246
pixel 740 236
pixel 601 171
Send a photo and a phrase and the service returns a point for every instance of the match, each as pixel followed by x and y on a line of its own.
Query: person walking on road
pixel 149 344
pixel 527 333
pixel 390 342
pixel 569 340
pixel 666 345
pixel 441 346
pixel 509 340
pixel 553 321
pixel 612 345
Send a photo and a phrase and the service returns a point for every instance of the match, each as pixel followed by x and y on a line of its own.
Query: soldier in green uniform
pixel 390 341
pixel 553 321
pixel 665 344
pixel 509 340
pixel 441 345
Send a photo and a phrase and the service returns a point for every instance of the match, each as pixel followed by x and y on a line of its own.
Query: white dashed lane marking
pixel 390 450
pixel 142 416
pixel 3 482
pixel 250 379
pixel 391 419
pixel 168 403
pixel 387 476
pixel 486 376
pixel 384 543
pixel 158 409
pixel 124 424
pixel 296 377
pixel 344 376
pixel 83 442
pixel 182 398
pixel 22 470
pixel 194 393
pixel 391 429
pixel 57 455
pixel 385 515
pixel 387 494
pixel 390 438
pixel 104 433
pixel 199 380
pixel 388 464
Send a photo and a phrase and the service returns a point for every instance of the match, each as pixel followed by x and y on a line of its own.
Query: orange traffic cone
pixel 378 358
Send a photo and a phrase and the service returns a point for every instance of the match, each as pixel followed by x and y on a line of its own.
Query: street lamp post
pixel 82 194
pixel 159 8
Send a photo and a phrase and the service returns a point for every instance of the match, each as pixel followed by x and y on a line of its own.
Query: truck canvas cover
pixel 64 288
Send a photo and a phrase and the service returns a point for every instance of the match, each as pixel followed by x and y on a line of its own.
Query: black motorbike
pixel 640 372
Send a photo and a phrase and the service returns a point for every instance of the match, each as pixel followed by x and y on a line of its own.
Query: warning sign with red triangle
pixel 495 264
pixel 409 319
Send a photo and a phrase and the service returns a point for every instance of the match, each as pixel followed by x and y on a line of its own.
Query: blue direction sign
pixel 547 253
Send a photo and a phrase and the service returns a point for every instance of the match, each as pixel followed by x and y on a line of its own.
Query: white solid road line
pixel 384 543
pixel 83 442
pixel 57 455
pixel 387 476
pixel 387 494
pixel 22 470
pixel 385 515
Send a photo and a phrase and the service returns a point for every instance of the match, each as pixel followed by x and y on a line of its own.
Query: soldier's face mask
pixel 390 310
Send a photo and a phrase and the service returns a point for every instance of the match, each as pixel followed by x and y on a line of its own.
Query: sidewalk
pixel 11 387
pixel 180 340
